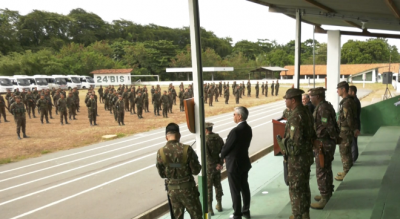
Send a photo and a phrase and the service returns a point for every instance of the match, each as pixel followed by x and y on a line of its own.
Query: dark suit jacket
pixel 236 149
pixel 310 107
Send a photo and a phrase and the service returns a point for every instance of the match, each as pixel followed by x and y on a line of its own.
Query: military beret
pixel 293 92
pixel 342 84
pixel 17 97
pixel 317 91
pixel 172 128
pixel 209 125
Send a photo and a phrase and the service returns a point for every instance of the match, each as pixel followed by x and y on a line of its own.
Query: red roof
pixel 112 71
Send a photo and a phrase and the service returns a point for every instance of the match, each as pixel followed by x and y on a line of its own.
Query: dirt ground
pixel 53 137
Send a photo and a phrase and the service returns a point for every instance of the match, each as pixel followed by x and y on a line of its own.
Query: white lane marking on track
pixel 109 151
pixel 83 192
pixel 93 188
pixel 76 179
pixel 119 142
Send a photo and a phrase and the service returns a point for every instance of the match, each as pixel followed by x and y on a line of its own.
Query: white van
pixel 87 82
pixel 60 81
pixel 41 82
pixel 73 81
pixel 22 82
pixel 6 84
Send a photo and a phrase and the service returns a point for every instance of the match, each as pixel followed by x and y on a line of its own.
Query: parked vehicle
pixel 6 84
pixel 59 81
pixel 87 82
pixel 41 82
pixel 22 82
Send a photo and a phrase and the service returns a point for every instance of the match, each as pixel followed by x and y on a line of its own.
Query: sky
pixel 238 19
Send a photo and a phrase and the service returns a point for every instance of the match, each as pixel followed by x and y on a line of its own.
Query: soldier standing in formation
pixel 178 163
pixel 276 88
pixel 205 93
pixel 18 110
pixel 72 106
pixel 55 99
pixel 139 105
pixel 272 88
pixel 216 94
pixel 214 144
pixel 210 95
pixel 173 91
pixel 156 102
pixel 171 101
pixel 257 89
pixel 8 96
pixel 62 108
pixel 266 89
pixel 132 96
pixel 42 106
pixel 49 104
pixel 249 89
pixel 92 105
pixel 226 94
pixel 75 92
pixel 181 105
pixel 146 101
pixel 2 108
pixel 30 104
pixel 165 103
pixel 120 110
pixel 327 132
pixel 298 141
pixel 237 94
pixel 100 90
pixel 348 127
pixel 262 88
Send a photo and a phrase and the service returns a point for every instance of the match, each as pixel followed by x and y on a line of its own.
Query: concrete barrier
pixel 163 208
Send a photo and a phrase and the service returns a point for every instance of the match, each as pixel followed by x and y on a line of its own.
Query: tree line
pixel 44 42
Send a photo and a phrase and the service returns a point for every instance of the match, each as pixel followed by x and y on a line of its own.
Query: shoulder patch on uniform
pixel 324 119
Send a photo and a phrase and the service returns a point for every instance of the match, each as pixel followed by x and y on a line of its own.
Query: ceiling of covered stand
pixel 377 14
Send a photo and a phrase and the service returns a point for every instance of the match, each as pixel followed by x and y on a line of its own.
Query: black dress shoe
pixel 246 215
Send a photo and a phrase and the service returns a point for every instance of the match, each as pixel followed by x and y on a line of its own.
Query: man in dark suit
pixel 236 155
pixel 306 102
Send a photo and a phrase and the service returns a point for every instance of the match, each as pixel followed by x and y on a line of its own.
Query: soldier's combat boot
pixel 47 121
pixel 304 216
pixel 29 116
pixel 91 123
pixel 317 198
pixel 340 173
pixel 74 118
pixel 119 123
pixel 62 123
pixel 66 122
pixel 322 202
pixel 19 137
pixel 24 135
pixel 341 177
pixel 219 206
pixel 210 210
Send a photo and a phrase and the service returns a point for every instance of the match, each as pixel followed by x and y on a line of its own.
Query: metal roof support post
pixel 187 75
pixel 297 52
pixel 194 16
pixel 333 67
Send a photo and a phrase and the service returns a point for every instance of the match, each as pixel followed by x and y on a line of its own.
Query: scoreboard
pixel 112 79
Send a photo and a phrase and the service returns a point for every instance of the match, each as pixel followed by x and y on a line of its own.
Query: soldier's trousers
pixel 345 150
pixel 139 110
pixel 31 108
pixel 44 113
pixel 299 186
pixel 77 105
pixel 205 98
pixel 174 99
pixel 92 116
pixel 325 175
pixel 21 123
pixel 186 198
pixel 354 149
pixel 105 105
pixel 272 92
pixel 237 100
pixel 248 92
pixel 181 105
pixel 146 106
pixel 49 111
pixel 257 92
pixel 276 92
pixel 214 180
pixel 262 92
pixel 132 107
pixel 72 112
pixel 101 97
pixel 3 112
pixel 216 98
pixel 210 101
pixel 120 117
pixel 165 110
pixel 156 109
pixel 170 107
pixel 126 104
pixel 63 115
pixel 226 99
pixel 266 92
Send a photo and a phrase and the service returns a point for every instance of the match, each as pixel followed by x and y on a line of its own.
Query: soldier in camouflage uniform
pixel 298 141
pixel 100 91
pixel 216 93
pixel 3 108
pixel 71 106
pixel 237 94
pixel 42 106
pixel 249 89
pixel 132 96
pixel 18 110
pixel 226 94
pixel 210 92
pixel 214 144
pixel 139 105
pixel 146 101
pixel 92 105
pixel 257 87
pixel 272 88
pixel 348 127
pixel 178 163
pixel 276 88
pixel 170 96
pixel 62 108
pixel 262 88
pixel 120 110
pixel 266 89
pixel 8 95
pixel 205 91
pixel 125 96
pixel 165 102
pixel 55 100
pixel 105 99
pixel 327 132
pixel 181 104
pixel 76 97
pixel 49 104
pixel 114 100
pixel 156 102
pixel 30 104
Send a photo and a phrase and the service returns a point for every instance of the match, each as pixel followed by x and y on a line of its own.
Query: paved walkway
pixel 270 196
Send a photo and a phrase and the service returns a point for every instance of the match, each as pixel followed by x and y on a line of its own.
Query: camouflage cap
pixel 209 125
pixel 317 91
pixel 172 128
pixel 293 92
pixel 342 84
pixel 17 97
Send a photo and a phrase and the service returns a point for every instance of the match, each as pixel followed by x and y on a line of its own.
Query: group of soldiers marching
pixel 20 103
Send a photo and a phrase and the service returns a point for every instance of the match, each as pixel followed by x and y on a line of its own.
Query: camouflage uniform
pixel 165 101
pixel 249 89
pixel 298 138
pixel 170 96
pixel 262 88
pixel 100 91
pixel 139 106
pixel 226 95
pixel 156 103
pixel 49 105
pixel 3 108
pixel 327 133
pixel 266 89
pixel 18 110
pixel 216 94
pixel 120 111
pixel 179 174
pixel 125 97
pixel 276 88
pixel 30 104
pixel 92 105
pixel 76 97
pixel 257 87
pixel 105 100
pixel 181 104
pixel 347 124
pixel 214 144
pixel 146 102
pixel 237 95
pixel 62 108
pixel 42 106
pixel 272 88
pixel 71 107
